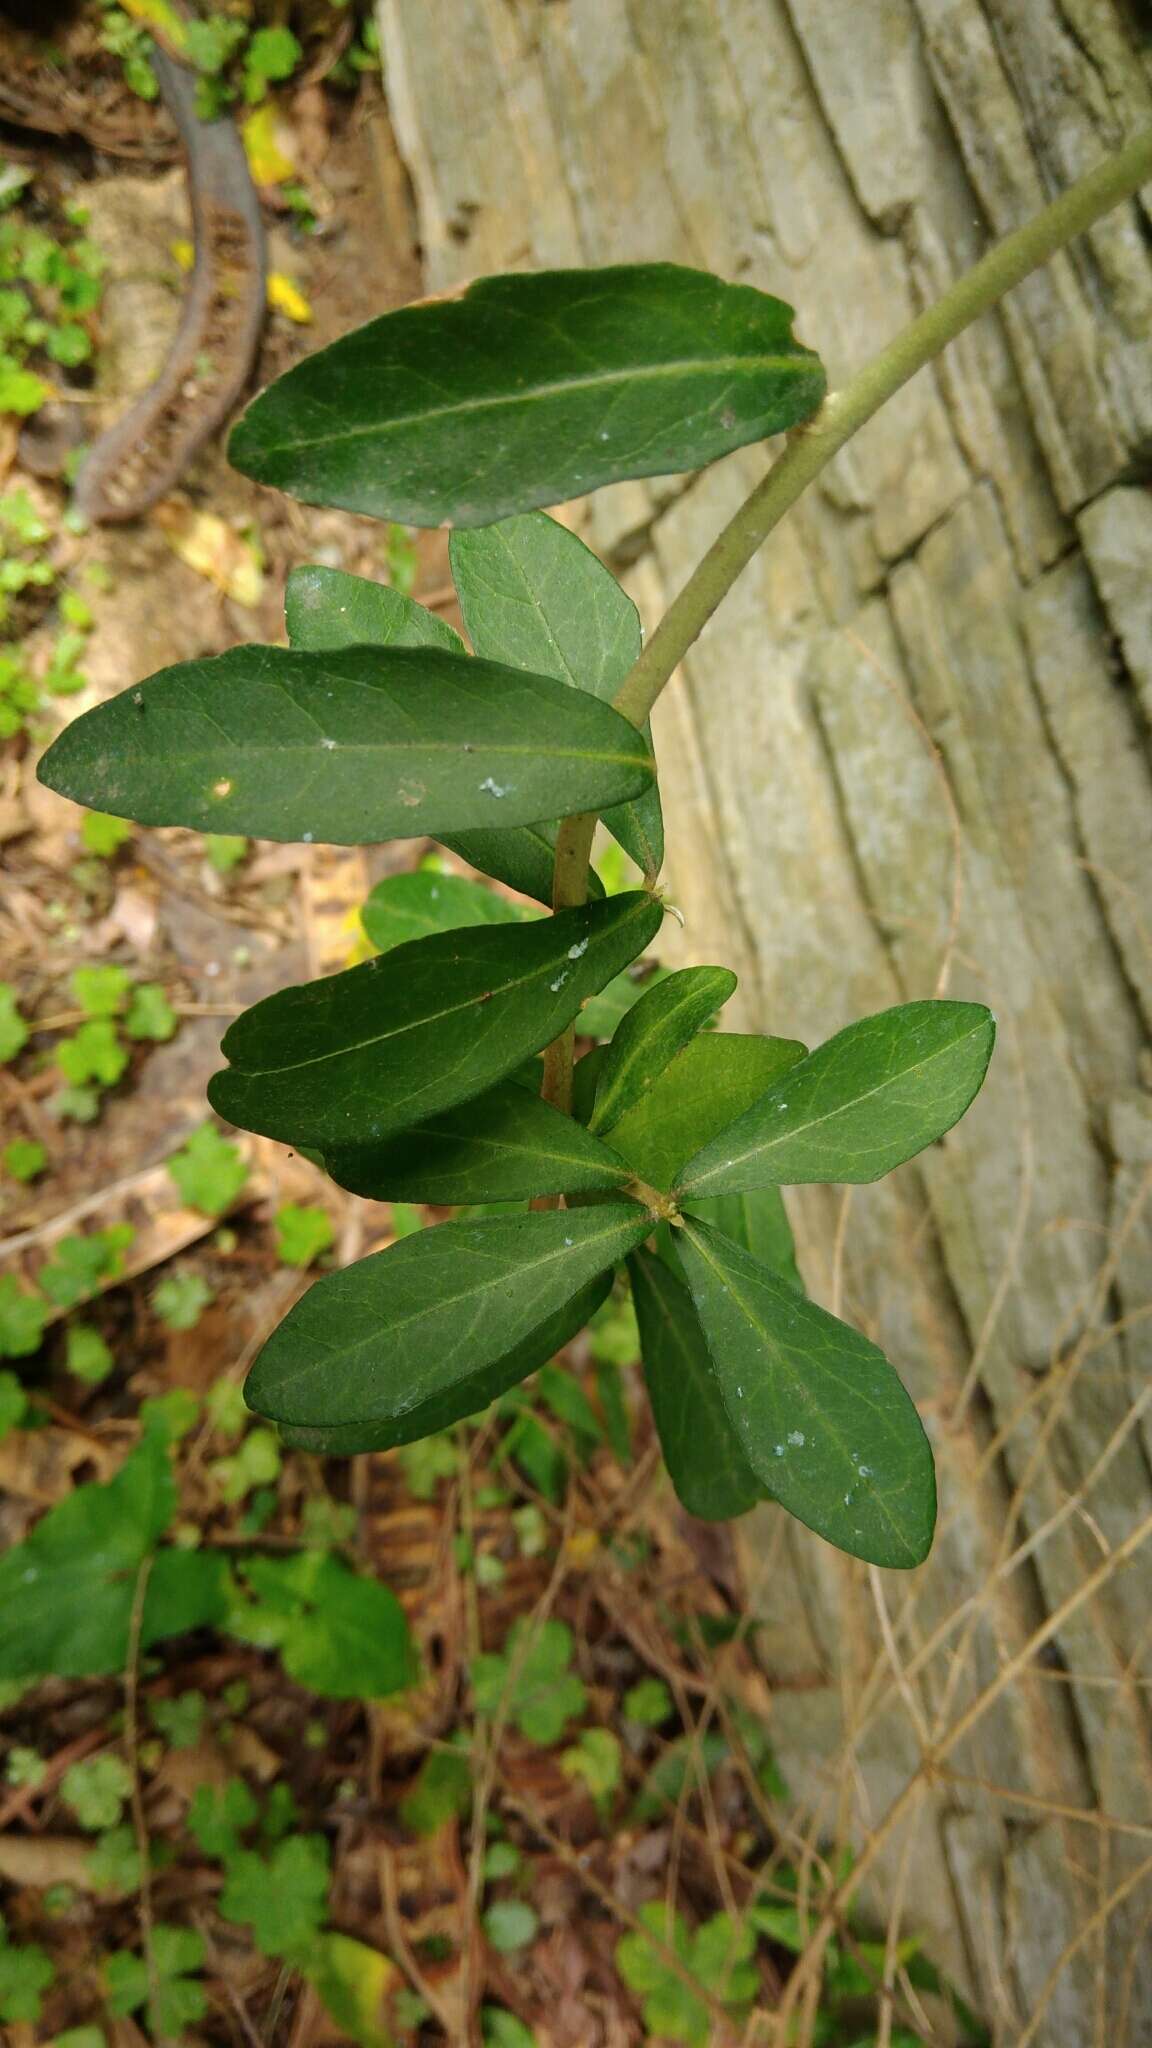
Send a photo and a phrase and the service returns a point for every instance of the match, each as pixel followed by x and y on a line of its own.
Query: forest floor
pixel 550 1816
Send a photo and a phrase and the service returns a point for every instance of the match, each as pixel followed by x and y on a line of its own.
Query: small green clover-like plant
pixel 14 1029
pixel 169 1988
pixel 282 1897
pixel 716 1956
pixel 416 1077
pixel 24 1159
pixel 180 1299
pixel 531 1681
pixel 23 1318
pixel 26 1971
pixel 97 1789
pixel 208 1171
pixel 302 1233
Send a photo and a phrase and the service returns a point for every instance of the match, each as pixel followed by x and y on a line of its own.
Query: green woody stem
pixel 810 448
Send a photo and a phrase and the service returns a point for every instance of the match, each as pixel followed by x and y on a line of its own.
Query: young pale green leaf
pixel 471 1393
pixel 404 907
pixel 395 1331
pixel 665 1020
pixel 347 747
pixel 704 1456
pixel 710 1082
pixel 534 597
pixel 328 608
pixel 859 1105
pixel 349 1060
pixel 823 1419
pixel 501 1146
pixel 530 389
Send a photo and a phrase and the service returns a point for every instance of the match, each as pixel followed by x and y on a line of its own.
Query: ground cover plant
pixel 416 1075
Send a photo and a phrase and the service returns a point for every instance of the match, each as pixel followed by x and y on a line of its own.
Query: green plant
pixel 25 1974
pixel 208 1171
pixel 716 1956
pixel 531 1680
pixel 415 1077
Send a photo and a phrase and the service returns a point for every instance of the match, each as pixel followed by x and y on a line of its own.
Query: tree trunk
pixel 910 756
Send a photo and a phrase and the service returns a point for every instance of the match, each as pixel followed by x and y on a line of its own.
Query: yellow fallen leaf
pixel 264 137
pixel 183 254
pixel 215 551
pixel 158 15
pixel 287 298
pixel 357 1985
pixel 581 1547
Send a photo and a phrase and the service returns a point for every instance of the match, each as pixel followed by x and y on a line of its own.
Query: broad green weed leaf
pixel 357 1986
pixel 282 1898
pixel 704 1456
pixel 414 906
pixel 666 1018
pixel 467 1396
pixel 341 1634
pixel 823 1419
pixel 864 1102
pixel 396 1330
pixel 527 390
pixel 706 1085
pixel 347 747
pixel 328 608
pixel 534 597
pixel 351 1059
pixel 499 1147
pixel 66 1592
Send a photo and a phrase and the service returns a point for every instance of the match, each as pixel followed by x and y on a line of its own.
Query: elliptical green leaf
pixel 859 1105
pixel 345 1062
pixel 346 747
pixel 529 389
pixel 704 1456
pixel 502 1146
pixel 396 1331
pixel 822 1417
pixel 666 1019
pixel 467 1396
pixel 534 597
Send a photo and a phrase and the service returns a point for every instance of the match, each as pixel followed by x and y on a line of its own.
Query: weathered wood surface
pixel 912 754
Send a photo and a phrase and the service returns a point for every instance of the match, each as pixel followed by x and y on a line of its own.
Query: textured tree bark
pixel 910 755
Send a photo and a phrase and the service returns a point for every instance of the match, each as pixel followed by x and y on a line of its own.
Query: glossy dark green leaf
pixel 501 1146
pixel 534 597
pixel 346 747
pixel 347 1061
pixel 396 1331
pixel 859 1105
pixel 666 1019
pixel 529 389
pixel 823 1419
pixel 709 1083
pixel 705 1460
pixel 413 906
pixel 331 609
pixel 467 1396
pixel 328 608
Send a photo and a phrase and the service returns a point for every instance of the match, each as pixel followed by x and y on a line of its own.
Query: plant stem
pixel 569 889
pixel 809 450
pixel 811 447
